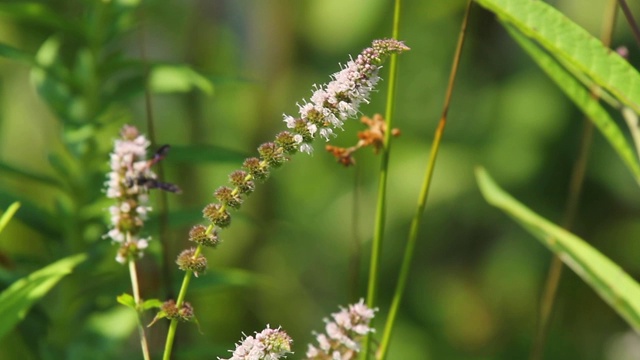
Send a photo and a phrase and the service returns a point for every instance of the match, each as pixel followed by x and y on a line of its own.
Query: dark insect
pixel 152 183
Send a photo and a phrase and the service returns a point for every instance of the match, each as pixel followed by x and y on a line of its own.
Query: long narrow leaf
pixel 614 285
pixel 583 100
pixel 4 219
pixel 573 45
pixel 16 300
pixel 13 53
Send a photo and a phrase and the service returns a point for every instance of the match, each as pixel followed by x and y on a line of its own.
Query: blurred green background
pixel 287 260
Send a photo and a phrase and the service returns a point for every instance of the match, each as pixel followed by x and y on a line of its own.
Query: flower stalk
pixel 329 107
pixel 129 165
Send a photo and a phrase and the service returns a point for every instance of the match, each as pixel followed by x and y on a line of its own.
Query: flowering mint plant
pixel 269 344
pixel 343 334
pixel 128 163
pixel 329 107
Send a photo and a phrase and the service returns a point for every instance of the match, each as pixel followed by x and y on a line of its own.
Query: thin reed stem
pixel 632 22
pixel 554 274
pixel 422 200
pixel 379 225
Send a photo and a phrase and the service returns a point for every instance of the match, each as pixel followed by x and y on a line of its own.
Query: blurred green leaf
pixel 6 217
pixel 583 99
pixel 614 285
pixel 26 175
pixel 13 53
pixel 16 300
pixel 583 54
pixel 177 78
pixel 126 89
pixel 31 215
pixel 204 153
pixel 221 278
pixel 36 13
pixel 151 304
pixel 127 300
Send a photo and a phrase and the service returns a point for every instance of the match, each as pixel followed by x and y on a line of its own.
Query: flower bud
pixel 272 154
pixel 184 313
pixel 256 169
pixel 187 262
pixel 240 180
pixel 227 196
pixel 217 214
pixel 199 235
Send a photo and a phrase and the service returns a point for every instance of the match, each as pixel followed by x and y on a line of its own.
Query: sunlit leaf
pixel 614 285
pixel 7 215
pixel 127 300
pixel 573 45
pixel 18 298
pixel 178 78
pixel 151 304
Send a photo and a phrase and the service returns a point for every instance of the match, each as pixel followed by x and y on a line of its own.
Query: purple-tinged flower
pixel 269 344
pixel 128 162
pixel 342 336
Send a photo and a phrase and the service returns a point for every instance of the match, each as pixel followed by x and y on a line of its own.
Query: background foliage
pixel 72 76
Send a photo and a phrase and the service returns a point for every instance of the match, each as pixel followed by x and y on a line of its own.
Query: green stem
pixel 378 232
pixel 422 200
pixel 136 296
pixel 171 333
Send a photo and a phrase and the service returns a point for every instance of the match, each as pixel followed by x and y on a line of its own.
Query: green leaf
pixel 127 300
pixel 18 298
pixel 151 304
pixel 13 53
pixel 572 45
pixel 583 100
pixel 614 285
pixel 37 13
pixel 178 78
pixel 6 217
pixel 159 315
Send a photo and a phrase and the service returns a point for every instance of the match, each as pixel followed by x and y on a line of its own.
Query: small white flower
pixel 343 334
pixel 269 344
pixel 306 148
pixel 128 163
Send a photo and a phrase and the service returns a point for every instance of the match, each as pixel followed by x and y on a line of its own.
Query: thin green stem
pixel 554 274
pixel 136 296
pixel 422 200
pixel 378 232
pixel 171 333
